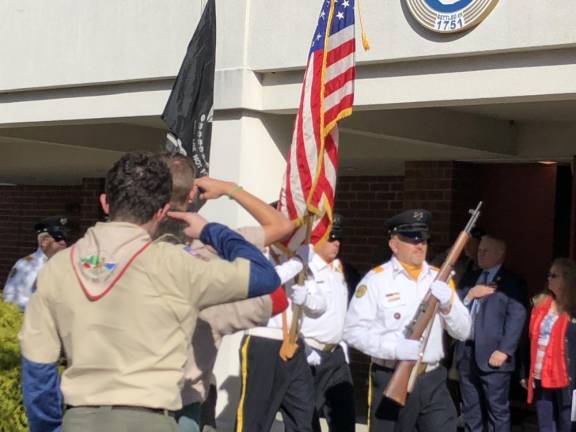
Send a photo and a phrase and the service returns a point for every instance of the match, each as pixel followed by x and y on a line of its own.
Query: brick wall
pixel 366 203
pixel 21 207
pixel 431 185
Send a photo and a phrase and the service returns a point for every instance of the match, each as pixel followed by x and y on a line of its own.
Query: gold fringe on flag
pixel 365 43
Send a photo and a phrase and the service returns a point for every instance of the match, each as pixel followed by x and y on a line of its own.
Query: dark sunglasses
pixel 57 236
pixel 551 275
pixel 413 241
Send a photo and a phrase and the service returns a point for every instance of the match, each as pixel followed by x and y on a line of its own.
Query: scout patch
pixel 360 291
pixel 97 266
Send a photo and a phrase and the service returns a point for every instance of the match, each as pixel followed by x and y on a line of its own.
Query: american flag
pixel 327 96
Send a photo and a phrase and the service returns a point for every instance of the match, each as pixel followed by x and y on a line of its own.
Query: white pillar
pixel 243 151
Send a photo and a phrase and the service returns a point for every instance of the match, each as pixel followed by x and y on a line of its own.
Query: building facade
pixel 440 120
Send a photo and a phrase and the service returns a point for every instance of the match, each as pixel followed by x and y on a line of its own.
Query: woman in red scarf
pixel 553 349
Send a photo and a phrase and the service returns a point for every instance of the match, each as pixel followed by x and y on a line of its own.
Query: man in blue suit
pixel 497 302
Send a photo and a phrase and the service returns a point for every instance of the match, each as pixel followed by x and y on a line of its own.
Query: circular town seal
pixel 450 16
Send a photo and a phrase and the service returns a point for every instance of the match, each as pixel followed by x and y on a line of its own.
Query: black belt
pixel 161 411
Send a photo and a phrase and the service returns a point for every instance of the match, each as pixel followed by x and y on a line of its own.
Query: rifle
pixel 402 381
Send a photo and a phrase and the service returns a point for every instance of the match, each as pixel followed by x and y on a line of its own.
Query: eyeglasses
pixel 551 275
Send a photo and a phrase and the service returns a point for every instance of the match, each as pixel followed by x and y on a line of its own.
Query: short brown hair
pixel 183 174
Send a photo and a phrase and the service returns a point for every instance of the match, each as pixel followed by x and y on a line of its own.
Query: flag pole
pixel 290 341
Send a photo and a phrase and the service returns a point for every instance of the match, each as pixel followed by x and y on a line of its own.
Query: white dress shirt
pixel 386 301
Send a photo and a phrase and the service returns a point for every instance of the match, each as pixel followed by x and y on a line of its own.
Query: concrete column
pixel 243 151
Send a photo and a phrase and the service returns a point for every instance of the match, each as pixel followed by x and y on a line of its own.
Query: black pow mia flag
pixel 189 110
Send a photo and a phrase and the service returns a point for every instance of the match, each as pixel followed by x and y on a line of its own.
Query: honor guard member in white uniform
pixel 270 384
pixel 334 392
pixel 383 305
pixel 123 308
pixel 52 233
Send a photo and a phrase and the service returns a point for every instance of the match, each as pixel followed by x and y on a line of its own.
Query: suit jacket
pixel 500 321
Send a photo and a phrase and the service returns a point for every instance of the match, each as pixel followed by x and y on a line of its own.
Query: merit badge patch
pixel 97 266
pixel 450 16
pixel 360 291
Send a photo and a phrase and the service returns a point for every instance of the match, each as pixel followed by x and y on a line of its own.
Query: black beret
pixel 414 224
pixel 56 226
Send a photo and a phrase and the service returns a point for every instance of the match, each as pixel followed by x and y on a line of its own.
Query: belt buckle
pixel 329 348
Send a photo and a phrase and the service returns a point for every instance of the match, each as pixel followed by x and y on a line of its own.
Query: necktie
pixel 483 279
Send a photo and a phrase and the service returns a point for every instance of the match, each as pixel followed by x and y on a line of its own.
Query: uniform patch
pixel 360 291
pixel 97 265
pixel 28 258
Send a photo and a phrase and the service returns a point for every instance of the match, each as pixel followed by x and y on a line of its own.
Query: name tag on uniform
pixel 393 297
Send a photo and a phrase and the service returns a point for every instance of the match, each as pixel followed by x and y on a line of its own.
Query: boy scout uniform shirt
pixel 386 301
pixel 329 279
pixel 20 283
pixel 217 321
pixel 127 347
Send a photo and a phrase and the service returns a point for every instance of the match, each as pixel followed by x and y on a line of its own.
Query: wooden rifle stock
pixel 398 387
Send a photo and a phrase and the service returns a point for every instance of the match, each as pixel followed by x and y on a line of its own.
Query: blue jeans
pixel 552 416
pixel 189 418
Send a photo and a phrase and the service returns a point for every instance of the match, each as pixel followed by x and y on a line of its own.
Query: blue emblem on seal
pixel 450 16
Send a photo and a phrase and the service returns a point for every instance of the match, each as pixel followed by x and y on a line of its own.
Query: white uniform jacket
pixel 22 278
pixel 329 280
pixel 385 302
pixel 314 305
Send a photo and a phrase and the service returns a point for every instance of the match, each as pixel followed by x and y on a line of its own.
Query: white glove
pixel 299 293
pixel 306 253
pixel 442 292
pixel 312 357
pixel 407 349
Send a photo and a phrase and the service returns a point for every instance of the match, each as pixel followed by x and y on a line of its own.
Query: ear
pixel 161 213
pixel 192 194
pixel 392 244
pixel 104 203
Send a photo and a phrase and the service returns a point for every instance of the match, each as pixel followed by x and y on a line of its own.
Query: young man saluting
pixel 123 309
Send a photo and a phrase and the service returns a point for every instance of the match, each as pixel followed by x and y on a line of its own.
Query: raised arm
pixel 275 225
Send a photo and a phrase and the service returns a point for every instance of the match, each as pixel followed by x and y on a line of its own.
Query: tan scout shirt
pixel 217 321
pixel 128 347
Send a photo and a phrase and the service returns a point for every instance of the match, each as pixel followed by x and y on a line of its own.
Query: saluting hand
pixel 213 188
pixel 196 223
